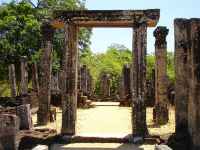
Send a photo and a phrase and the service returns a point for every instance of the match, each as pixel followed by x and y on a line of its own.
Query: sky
pixel 102 38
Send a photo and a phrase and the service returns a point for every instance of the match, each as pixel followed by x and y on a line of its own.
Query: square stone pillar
pixel 138 80
pixel 120 86
pixel 194 83
pixel 44 104
pixel 89 82
pixel 79 77
pixel 69 98
pixel 125 81
pixel 55 79
pixel 106 85
pixel 153 78
pixel 84 79
pixel 181 85
pixel 160 34
pixel 11 69
pixel 24 75
pixel 35 83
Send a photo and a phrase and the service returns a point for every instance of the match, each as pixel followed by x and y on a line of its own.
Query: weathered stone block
pixel 24 75
pixel 24 113
pixel 9 132
pixel 11 69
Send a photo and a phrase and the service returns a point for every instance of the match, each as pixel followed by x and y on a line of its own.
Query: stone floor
pixel 101 146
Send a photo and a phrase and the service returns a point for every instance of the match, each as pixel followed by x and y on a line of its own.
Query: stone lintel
pixel 106 18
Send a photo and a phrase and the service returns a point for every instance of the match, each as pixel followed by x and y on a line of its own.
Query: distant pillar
pixel 138 79
pixel 160 34
pixel 120 86
pixel 125 81
pixel 55 79
pixel 70 61
pixel 79 77
pixel 11 69
pixel 44 104
pixel 35 83
pixel 153 78
pixel 84 79
pixel 24 75
pixel 89 82
pixel 106 85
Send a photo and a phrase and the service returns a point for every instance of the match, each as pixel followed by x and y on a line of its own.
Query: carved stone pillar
pixel 182 45
pixel 89 82
pixel 11 69
pixel 138 80
pixel 194 83
pixel 84 79
pixel 125 81
pixel 24 75
pixel 55 79
pixel 153 78
pixel 69 98
pixel 43 115
pixel 35 83
pixel 160 34
pixel 106 85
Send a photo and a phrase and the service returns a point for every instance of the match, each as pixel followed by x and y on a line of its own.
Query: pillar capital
pixel 47 31
pixel 160 33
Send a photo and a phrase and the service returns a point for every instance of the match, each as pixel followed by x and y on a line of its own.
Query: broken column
pixel 138 79
pixel 35 83
pixel 125 81
pixel 11 69
pixel 69 97
pixel 24 113
pixel 43 115
pixel 194 83
pixel 84 79
pixel 160 34
pixel 182 45
pixel 24 75
pixel 55 79
pixel 106 84
pixel 89 82
pixel 9 132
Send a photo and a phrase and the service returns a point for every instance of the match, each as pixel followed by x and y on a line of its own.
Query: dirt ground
pixel 110 120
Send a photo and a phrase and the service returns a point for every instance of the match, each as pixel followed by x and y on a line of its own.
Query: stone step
pixel 107 138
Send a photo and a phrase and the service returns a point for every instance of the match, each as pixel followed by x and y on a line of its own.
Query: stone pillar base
pixel 41 117
pixel 161 114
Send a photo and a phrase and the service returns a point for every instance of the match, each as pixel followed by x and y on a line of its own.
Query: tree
pixel 19 35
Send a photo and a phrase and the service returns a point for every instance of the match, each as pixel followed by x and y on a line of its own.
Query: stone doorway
pixel 138 20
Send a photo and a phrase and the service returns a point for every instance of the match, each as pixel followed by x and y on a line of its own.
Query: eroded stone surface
pixel 160 34
pixel 89 82
pixel 24 113
pixel 35 83
pixel 84 79
pixel 11 69
pixel 9 132
pixel 106 84
pixel 24 75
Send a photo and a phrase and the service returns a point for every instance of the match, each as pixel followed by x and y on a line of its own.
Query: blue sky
pixel 102 38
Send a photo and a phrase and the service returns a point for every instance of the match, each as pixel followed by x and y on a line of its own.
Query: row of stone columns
pixel 24 77
pixel 187 78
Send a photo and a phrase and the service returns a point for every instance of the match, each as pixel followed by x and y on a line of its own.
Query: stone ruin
pixel 187 66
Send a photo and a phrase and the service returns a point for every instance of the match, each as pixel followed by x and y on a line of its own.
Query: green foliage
pixel 112 61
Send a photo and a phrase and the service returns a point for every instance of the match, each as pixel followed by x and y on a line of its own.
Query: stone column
pixel 60 79
pixel 125 81
pixel 106 85
pixel 138 79
pixel 79 77
pixel 24 75
pixel 43 115
pixel 11 69
pixel 194 83
pixel 160 34
pixel 35 83
pixel 55 79
pixel 84 79
pixel 69 98
pixel 120 86
pixel 89 82
pixel 24 113
pixel 153 78
pixel 182 45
